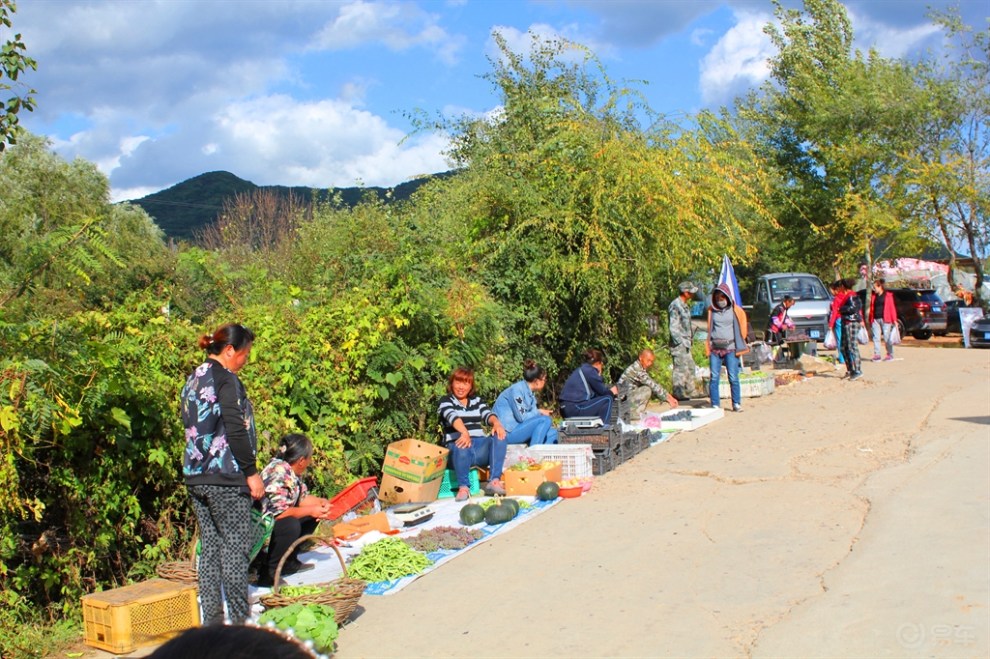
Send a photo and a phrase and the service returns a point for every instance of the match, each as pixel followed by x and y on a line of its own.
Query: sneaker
pixel 463 494
pixel 855 376
pixel 737 408
pixel 876 358
pixel 264 580
pixel 888 358
pixel 295 566
pixel 494 487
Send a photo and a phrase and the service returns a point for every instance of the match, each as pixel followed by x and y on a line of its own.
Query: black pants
pixel 286 531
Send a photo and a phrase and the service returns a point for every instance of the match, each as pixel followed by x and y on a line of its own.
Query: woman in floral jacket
pixel 288 500
pixel 220 471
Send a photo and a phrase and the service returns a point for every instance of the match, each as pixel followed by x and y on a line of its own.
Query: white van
pixel 812 301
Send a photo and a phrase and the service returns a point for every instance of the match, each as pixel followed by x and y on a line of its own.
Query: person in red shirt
pixel 881 318
pixel 848 314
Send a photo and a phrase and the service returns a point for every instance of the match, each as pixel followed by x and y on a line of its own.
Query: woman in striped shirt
pixel 462 414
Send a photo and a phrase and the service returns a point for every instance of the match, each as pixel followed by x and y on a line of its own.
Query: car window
pixel 911 295
pixel 800 288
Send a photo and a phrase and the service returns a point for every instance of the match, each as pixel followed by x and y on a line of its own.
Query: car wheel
pixel 900 328
pixel 923 335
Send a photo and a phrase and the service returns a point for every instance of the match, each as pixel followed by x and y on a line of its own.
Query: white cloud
pixel 738 61
pixel 889 41
pixel 276 140
pixel 398 25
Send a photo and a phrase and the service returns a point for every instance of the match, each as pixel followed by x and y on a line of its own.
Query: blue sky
pixel 316 92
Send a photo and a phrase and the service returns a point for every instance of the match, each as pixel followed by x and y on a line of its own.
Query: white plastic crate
pixel 575 459
pixel 749 386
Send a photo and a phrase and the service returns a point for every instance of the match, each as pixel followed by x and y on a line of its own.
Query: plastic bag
pixel 862 336
pixel 830 342
pixel 895 335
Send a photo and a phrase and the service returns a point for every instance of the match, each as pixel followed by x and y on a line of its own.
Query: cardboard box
pixel 358 526
pixel 394 491
pixel 414 461
pixel 525 482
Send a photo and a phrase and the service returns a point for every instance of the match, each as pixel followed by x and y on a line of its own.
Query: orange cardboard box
pixel 525 482
pixel 394 490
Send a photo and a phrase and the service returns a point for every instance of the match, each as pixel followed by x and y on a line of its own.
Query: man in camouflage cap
pixel 681 337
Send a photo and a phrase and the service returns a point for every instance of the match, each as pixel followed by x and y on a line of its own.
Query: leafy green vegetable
pixel 308 622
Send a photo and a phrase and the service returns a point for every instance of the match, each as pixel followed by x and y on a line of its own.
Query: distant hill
pixel 186 207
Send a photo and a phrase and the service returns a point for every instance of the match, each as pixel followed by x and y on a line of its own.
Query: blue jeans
pixel 838 342
pixel 731 361
pixel 486 451
pixel 600 406
pixel 534 430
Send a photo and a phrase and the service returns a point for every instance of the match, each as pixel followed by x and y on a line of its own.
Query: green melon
pixel 512 503
pixel 499 514
pixel 471 514
pixel 547 491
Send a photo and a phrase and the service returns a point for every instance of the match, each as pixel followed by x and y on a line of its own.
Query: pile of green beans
pixel 385 560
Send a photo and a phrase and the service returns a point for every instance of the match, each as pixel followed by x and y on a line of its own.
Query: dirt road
pixel 830 519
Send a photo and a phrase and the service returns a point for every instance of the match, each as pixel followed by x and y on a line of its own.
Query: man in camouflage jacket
pixel 681 337
pixel 637 386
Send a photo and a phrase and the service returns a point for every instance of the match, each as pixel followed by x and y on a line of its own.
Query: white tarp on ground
pixel 446 513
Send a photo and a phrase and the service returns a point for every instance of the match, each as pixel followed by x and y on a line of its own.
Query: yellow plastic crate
pixel 147 613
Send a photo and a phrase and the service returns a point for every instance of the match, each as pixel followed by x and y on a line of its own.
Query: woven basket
pixel 181 571
pixel 342 594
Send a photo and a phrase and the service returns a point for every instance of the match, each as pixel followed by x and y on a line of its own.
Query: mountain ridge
pixel 186 207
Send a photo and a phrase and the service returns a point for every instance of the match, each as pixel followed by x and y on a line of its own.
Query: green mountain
pixel 186 207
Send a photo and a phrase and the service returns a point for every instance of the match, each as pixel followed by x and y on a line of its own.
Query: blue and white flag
pixel 728 276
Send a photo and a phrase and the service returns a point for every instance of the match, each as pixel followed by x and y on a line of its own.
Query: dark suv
pixel 920 312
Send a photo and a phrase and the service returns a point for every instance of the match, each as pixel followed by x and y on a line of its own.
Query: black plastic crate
pixel 603 461
pixel 628 447
pixel 642 437
pixel 601 437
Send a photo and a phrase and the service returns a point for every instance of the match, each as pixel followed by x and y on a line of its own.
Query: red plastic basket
pixel 355 494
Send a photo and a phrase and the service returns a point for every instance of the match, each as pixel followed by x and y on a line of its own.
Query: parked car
pixel 811 302
pixel 920 312
pixel 979 333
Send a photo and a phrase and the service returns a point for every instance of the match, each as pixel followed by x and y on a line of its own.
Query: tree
pixel 63 246
pixel 13 62
pixel 949 174
pixel 580 220
pixel 834 124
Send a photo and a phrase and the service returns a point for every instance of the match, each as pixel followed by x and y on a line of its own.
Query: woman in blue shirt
pixel 516 407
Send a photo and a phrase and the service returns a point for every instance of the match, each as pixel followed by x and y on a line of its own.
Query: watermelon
pixel 547 491
pixel 471 514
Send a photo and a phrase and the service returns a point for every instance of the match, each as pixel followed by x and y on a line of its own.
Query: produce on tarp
pixel 472 513
pixel 443 537
pixel 547 491
pixel 387 559
pixel 500 513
